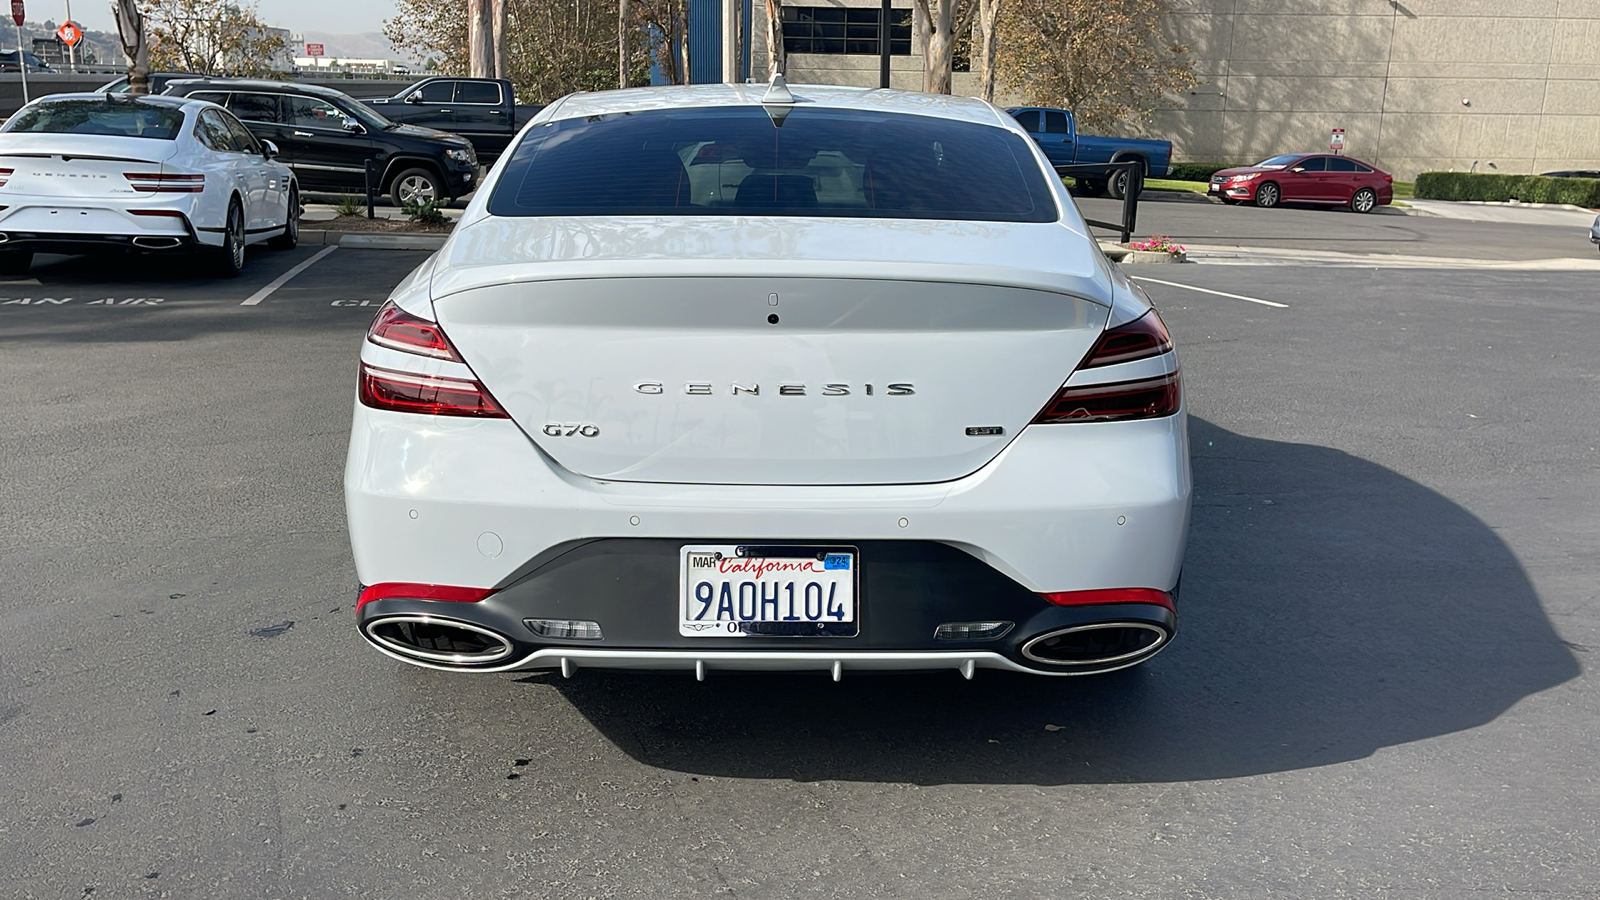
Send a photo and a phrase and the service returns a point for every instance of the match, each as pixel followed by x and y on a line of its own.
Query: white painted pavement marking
pixel 1202 290
pixel 283 279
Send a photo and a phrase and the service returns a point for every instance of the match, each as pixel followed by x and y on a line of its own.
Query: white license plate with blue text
pixel 745 590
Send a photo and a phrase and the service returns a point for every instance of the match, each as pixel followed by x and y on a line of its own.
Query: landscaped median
pixel 384 232
pixel 1492 188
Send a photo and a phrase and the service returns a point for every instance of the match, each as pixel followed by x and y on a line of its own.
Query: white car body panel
pixel 1049 528
pixel 563 318
pixel 66 185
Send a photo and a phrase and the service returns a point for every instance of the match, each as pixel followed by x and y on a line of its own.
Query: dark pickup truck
pixel 482 110
pixel 1056 132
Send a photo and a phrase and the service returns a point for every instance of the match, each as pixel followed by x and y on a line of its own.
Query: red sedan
pixel 1306 178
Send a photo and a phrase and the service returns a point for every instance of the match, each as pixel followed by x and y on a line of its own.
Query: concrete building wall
pixel 1278 75
pixel 1394 74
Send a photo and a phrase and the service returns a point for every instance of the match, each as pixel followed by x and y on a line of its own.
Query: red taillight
pixel 158 183
pixel 429 395
pixel 410 591
pixel 1114 595
pixel 1143 337
pixel 5 175
pixel 1149 398
pixel 399 330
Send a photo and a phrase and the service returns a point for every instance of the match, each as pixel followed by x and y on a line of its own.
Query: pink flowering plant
pixel 1158 243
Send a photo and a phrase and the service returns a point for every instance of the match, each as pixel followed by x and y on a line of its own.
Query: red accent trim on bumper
pixel 1112 595
pixel 413 591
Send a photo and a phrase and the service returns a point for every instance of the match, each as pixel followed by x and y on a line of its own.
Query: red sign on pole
pixel 311 49
pixel 69 33
pixel 1336 140
pixel 18 13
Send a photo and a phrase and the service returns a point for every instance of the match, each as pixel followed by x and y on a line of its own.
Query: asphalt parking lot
pixel 1380 685
pixel 1385 231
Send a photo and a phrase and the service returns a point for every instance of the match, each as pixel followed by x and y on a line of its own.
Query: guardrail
pixel 1130 195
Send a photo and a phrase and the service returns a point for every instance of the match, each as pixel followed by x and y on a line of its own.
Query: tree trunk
pixel 480 39
pixel 622 43
pixel 499 16
pixel 940 58
pixel 988 20
pixel 135 46
pixel 683 42
pixel 776 60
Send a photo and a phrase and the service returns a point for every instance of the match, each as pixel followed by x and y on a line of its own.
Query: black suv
pixel 327 137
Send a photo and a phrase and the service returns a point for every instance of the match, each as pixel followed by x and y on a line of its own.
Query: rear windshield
pixel 730 161
pixel 119 117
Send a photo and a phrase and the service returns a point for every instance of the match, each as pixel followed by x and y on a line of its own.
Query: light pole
pixel 17 15
pixel 72 49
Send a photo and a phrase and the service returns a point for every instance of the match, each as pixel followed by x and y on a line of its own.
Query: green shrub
pixel 1197 171
pixel 351 205
pixel 1500 188
pixel 426 212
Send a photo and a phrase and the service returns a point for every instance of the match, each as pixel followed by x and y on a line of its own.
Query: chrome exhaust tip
pixel 438 641
pixel 157 243
pixel 4 237
pixel 1100 645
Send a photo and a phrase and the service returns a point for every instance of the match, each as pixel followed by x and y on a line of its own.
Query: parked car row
pixel 1317 178
pixel 1056 133
pixel 329 138
pixel 94 172
pixel 482 110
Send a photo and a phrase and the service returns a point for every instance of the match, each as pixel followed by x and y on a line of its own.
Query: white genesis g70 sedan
pixel 745 377
pixel 93 173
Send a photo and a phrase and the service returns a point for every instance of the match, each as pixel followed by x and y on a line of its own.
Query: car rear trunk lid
pixel 770 380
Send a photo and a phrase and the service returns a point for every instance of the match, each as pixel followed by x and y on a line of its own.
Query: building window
pixel 830 29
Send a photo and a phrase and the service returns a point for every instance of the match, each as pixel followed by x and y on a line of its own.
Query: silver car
pixel 1594 232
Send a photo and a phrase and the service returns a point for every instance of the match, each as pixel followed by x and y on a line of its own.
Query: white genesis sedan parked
pixel 86 173
pixel 730 377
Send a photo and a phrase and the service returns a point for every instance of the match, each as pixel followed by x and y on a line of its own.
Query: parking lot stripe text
pixel 1210 291
pixel 283 279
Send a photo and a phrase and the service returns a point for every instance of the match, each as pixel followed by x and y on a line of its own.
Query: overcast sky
pixel 339 17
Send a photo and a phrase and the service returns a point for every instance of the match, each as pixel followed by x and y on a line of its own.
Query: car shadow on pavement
pixel 1330 607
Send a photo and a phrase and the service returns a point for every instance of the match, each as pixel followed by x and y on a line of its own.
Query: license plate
pixel 1211 187
pixel 739 590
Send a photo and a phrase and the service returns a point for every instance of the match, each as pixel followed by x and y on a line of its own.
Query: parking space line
pixel 1210 291
pixel 283 279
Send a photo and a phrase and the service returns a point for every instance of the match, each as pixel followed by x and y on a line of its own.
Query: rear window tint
pixel 730 161
pixel 123 118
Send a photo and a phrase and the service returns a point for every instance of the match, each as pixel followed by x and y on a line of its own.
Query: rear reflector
pixel 429 395
pixel 5 175
pixel 1113 595
pixel 565 629
pixel 1150 398
pixel 1144 337
pixel 158 183
pixel 972 631
pixel 393 590
pixel 166 213
pixel 399 330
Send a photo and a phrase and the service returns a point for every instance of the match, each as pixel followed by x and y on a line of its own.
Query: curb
pixel 1120 254
pixel 367 241
pixel 1175 196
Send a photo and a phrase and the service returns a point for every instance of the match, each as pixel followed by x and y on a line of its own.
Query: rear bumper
pixel 46 242
pixel 82 227
pixel 474 503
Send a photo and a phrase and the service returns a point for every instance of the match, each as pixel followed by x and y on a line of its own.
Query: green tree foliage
pixel 1106 60
pixel 553 47
pixel 212 37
